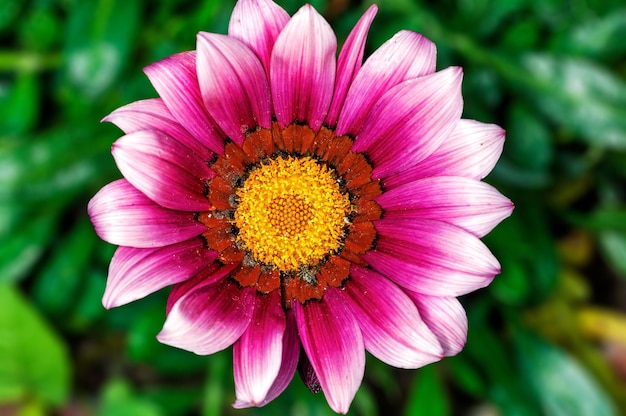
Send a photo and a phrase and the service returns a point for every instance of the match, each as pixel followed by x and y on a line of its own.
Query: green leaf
pixel 118 399
pixel 98 43
pixel 33 360
pixel 560 383
pixel 613 245
pixel 581 96
pixel 597 37
pixel 428 397
pixel 529 142
pixel 56 288
pixel 24 246
pixel 19 104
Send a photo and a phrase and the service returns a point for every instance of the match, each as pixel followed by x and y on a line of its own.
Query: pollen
pixel 291 212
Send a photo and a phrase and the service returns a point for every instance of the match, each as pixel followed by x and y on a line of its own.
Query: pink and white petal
pixel 123 216
pixel 446 317
pixel 137 272
pixel 349 63
pixel 207 276
pixel 431 257
pixel 209 318
pixel 257 23
pixel 257 354
pixel 164 170
pixel 175 79
pixel 392 328
pixel 233 84
pixel 333 343
pixel 411 121
pixel 471 150
pixel 467 203
pixel 152 114
pixel 302 69
pixel 405 56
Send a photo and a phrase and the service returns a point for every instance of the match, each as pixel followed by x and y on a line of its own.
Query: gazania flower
pixel 306 208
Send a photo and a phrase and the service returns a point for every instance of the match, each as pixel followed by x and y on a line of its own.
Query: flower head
pixel 305 208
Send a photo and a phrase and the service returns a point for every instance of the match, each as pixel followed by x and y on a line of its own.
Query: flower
pixel 305 208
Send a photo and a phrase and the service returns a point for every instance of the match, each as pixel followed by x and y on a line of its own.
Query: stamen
pixel 291 213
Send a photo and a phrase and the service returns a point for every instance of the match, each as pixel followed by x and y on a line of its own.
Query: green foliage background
pixel 547 337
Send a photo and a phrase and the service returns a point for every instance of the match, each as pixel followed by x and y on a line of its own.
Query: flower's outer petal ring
pixel 176 81
pixel 233 84
pixel 333 343
pixel 164 170
pixel 257 23
pixel 152 114
pixel 410 121
pixel 470 204
pixel 471 150
pixel 257 354
pixel 349 63
pixel 124 216
pixel 392 328
pixel 431 257
pixel 446 317
pixel 302 69
pixel 406 56
pixel 209 318
pixel 137 272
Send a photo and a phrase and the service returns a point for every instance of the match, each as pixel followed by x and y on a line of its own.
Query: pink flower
pixel 301 202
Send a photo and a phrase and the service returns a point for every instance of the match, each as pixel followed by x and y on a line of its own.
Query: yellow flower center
pixel 291 213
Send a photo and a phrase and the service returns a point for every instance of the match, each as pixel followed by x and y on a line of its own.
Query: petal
pixel 471 150
pixel 137 272
pixel 392 328
pixel 405 56
pixel 410 121
pixel 164 170
pixel 176 81
pixel 258 353
pixel 302 71
pixel 289 363
pixel 446 318
pixel 467 203
pixel 257 23
pixel 152 114
pixel 431 257
pixel 333 342
pixel 349 63
pixel 209 318
pixel 124 216
pixel 233 84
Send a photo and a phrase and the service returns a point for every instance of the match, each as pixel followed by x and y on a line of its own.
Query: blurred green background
pixel 547 337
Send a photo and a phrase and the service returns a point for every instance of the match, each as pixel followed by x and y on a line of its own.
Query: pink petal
pixel 446 318
pixel 410 121
pixel 431 257
pixel 152 114
pixel 302 71
pixel 406 56
pixel 257 23
pixel 392 328
pixel 289 363
pixel 209 318
pixel 470 204
pixel 257 355
pixel 349 63
pixel 471 150
pixel 124 216
pixel 176 81
pixel 137 272
pixel 334 345
pixel 164 170
pixel 234 86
